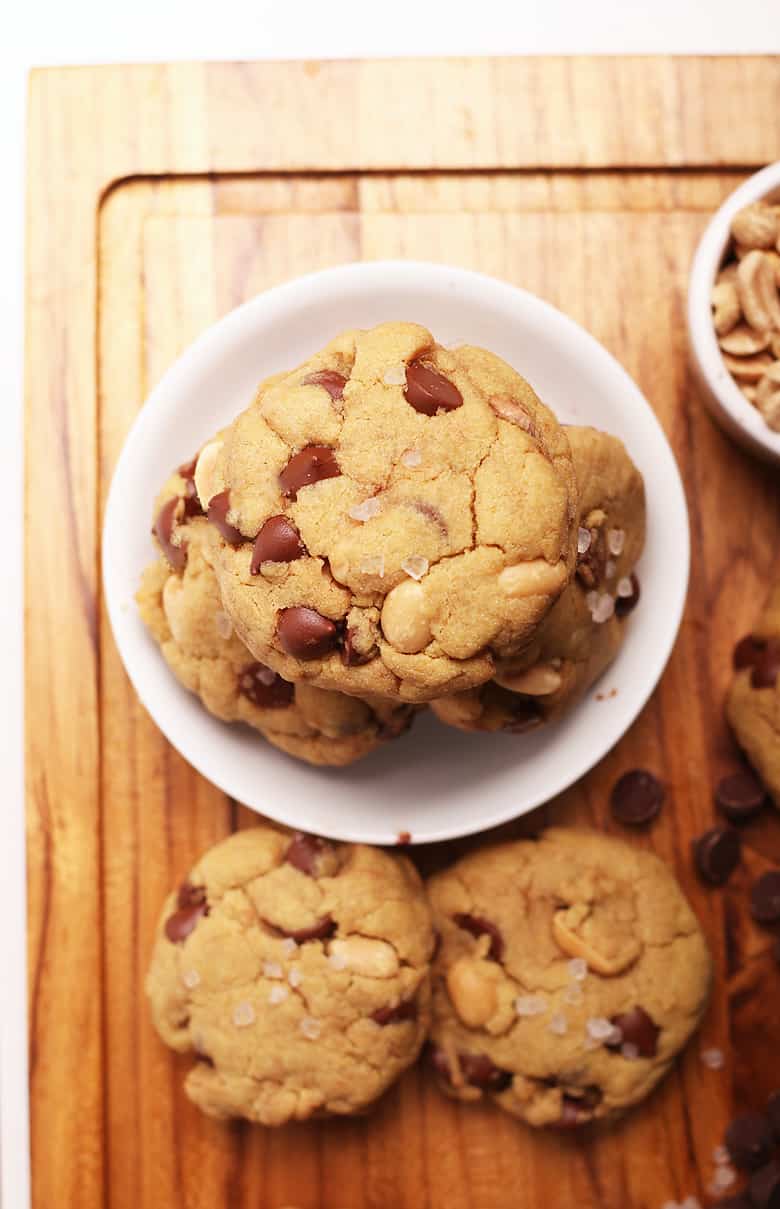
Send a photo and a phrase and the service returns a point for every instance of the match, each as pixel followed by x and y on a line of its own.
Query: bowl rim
pixel 229 332
pixel 707 259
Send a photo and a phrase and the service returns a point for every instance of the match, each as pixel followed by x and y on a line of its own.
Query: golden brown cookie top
pixel 394 515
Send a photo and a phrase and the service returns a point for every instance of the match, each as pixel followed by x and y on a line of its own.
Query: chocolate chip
pixel 191 906
pixel 749 1141
pixel 322 930
pixel 577 1110
pixel 765 898
pixel 740 795
pixel 716 854
pixel 192 506
pixel 477 926
pixel 352 657
pixel 480 1071
pixel 624 604
pixel 765 1186
pixel 524 713
pixel 163 530
pixel 636 1028
pixel 219 506
pixel 306 851
pixel 766 669
pixel 405 1010
pixel 309 465
pixel 748 651
pixel 396 725
pixel 277 542
pixel 264 688
pixel 329 379
pixel 428 391
pixel 636 797
pixel 305 633
pixel 773 1113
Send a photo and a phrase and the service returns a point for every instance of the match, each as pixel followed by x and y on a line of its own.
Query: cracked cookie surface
pixel 571 971
pixel 753 700
pixel 298 972
pixel 394 515
pixel 182 608
pixel 584 630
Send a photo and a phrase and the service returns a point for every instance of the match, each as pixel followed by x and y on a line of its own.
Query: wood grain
pixel 159 197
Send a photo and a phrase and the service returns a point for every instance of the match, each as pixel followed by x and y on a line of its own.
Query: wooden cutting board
pixel 158 198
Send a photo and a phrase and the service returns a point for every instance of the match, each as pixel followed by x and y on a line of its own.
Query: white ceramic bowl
pixel 722 395
pixel 436 782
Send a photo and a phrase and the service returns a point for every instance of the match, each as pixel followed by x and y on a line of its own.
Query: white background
pixel 40 32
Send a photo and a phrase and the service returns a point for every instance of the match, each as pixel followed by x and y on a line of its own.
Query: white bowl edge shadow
pixel 435 783
pixel 721 394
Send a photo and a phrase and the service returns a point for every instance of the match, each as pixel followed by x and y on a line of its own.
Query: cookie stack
pixel 394 524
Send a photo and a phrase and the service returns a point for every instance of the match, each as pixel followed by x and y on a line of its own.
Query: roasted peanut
pixel 473 988
pixel 537 681
pixel 406 622
pixel 567 927
pixel 535 578
pixel 362 955
pixel 207 482
pixel 725 306
pixel 757 292
pixel 755 226
pixel 744 341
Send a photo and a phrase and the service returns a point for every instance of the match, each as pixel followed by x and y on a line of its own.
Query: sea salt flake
pixel 191 979
pixel 573 994
pixel 713 1058
pixel 559 1025
pixel 295 977
pixel 272 969
pixel 599 1028
pixel 310 1028
pixel 604 609
pixel 615 1038
pixel 625 587
pixel 721 1156
pixel 224 625
pixel 583 540
pixel 530 1005
pixel 629 1051
pixel 610 568
pixel 373 566
pixel 578 969
pixel 411 458
pixel 366 509
pixel 592 599
pixel 278 994
pixel 616 539
pixel 243 1015
pixel 415 565
pixel 395 375
pixel 337 961
pixel 289 946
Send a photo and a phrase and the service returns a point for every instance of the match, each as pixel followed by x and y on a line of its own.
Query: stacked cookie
pixel 306 975
pixel 392 524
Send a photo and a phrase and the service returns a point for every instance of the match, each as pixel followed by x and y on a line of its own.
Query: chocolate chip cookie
pixel 393 515
pixel 571 972
pixel 753 701
pixel 179 602
pixel 297 971
pixel 583 632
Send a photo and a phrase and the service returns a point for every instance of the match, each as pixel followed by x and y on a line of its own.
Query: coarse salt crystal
pixel 615 1038
pixel 272 969
pixel 610 568
pixel 599 1028
pixel 365 509
pixel 629 1051
pixel 266 675
pixel 289 946
pixel 720 1155
pixel 724 1177
pixel 592 599
pixel 713 1059
pixel 295 977
pixel 243 1015
pixel 411 458
pixel 583 540
pixel 573 994
pixel 373 566
pixel 395 375
pixel 530 1005
pixel 604 609
pixel 616 539
pixel 310 1028
pixel 559 1025
pixel 224 625
pixel 277 994
pixel 578 969
pixel 191 979
pixel 415 565
pixel 625 587
pixel 338 961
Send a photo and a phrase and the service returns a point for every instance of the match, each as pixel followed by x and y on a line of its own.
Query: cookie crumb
pixel 713 1058
pixel 411 458
pixel 278 994
pixel 404 837
pixel 191 979
pixel 310 1028
pixel 395 375
pixel 530 1005
pixel 365 509
pixel 415 565
pixel 243 1015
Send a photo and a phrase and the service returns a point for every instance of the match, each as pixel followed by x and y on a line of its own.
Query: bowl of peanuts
pixel 734 314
